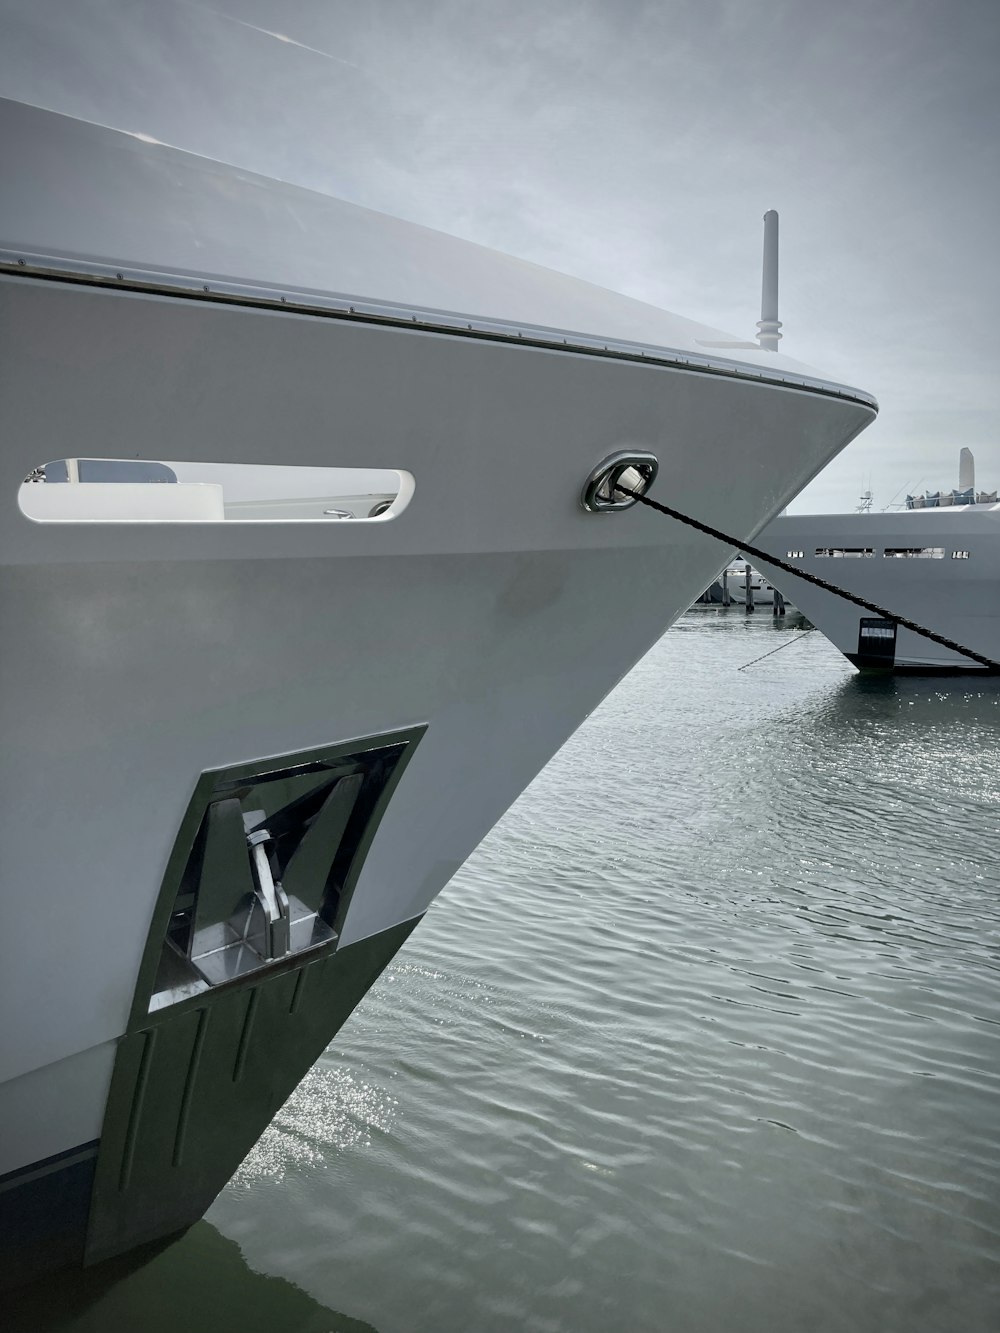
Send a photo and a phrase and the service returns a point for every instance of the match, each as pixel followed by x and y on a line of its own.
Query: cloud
pixel 634 144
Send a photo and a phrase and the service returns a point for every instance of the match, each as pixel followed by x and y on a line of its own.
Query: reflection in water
pixel 198 1284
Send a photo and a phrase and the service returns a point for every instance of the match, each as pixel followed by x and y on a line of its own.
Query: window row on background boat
pixel 888 553
pixel 942 499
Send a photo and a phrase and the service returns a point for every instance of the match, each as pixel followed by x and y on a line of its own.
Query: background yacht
pixel 744 582
pixel 934 562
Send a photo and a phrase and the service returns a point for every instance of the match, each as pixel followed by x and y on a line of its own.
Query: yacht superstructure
pixel 298 594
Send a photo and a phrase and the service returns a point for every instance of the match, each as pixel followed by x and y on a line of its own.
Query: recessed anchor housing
pixel 632 472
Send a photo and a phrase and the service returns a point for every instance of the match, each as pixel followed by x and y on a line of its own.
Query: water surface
pixel 705 1036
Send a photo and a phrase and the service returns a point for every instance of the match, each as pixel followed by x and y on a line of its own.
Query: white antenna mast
pixel 769 324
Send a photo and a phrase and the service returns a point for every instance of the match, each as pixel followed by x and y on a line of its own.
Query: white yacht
pixel 312 557
pixel 736 585
pixel 934 562
pixel 745 583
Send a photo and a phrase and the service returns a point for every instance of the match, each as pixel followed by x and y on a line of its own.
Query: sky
pixel 631 143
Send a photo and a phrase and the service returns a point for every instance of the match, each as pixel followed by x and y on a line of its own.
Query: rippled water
pixel 705 1036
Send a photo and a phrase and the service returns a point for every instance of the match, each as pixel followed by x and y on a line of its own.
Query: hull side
pixel 44 1210
pixel 494 612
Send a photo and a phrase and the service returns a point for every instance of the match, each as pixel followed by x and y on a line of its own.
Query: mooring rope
pixel 758 554
pixel 787 644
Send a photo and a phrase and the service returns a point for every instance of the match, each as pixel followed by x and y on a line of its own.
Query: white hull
pixel 763 592
pixel 952 588
pixel 493 611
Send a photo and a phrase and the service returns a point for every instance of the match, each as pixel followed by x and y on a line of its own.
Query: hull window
pixel 129 490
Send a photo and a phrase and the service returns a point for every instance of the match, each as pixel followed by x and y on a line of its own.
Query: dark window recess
pixel 876 643
pixel 267 873
pixel 110 469
pixel 913 553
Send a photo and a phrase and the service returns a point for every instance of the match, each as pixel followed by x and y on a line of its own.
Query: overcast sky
pixel 633 144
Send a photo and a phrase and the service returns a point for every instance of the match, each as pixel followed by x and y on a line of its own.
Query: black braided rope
pixel 758 554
